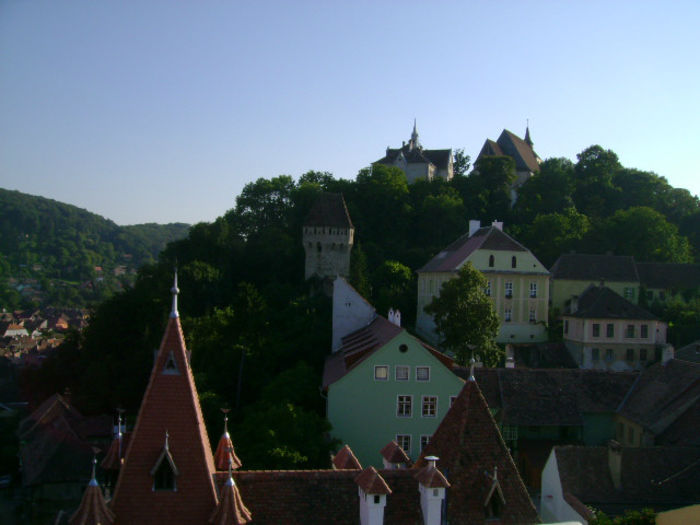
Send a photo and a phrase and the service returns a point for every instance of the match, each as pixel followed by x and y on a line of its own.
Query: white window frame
pixel 533 315
pixel 419 369
pixel 406 368
pixel 507 315
pixel 533 290
pixel 404 439
pixel 386 368
pixel 424 400
pixel 508 287
pixel 487 290
pixel 401 404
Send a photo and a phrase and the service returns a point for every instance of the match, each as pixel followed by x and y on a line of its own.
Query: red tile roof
pixel 345 459
pixel 394 454
pixel 225 452
pixel 430 477
pixel 170 405
pixel 92 510
pixel 112 459
pixel 230 510
pixel 371 482
pixel 469 446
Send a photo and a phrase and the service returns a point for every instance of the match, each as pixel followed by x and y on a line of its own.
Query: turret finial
pixel 472 363
pixel 93 479
pixel 174 290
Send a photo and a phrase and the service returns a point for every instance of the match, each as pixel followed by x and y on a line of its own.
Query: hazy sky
pixel 147 111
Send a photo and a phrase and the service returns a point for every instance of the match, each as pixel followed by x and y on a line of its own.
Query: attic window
pixel 492 260
pixel 170 367
pixel 403 348
pixel 514 262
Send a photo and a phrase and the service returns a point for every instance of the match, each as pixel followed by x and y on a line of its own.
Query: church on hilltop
pixel 419 163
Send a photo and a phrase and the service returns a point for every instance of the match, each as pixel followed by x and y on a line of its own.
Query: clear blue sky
pixel 147 111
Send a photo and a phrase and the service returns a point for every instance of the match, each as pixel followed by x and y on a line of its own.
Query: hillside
pixel 45 244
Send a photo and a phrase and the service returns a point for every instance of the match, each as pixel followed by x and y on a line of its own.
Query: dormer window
pixel 170 367
pixel 495 501
pixel 165 470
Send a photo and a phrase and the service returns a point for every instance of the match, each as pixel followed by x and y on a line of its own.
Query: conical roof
pixel 231 510
pixel 93 509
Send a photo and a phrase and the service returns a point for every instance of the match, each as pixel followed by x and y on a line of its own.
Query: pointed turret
pixel 93 509
pixel 172 481
pixel 230 510
pixel 414 143
pixel 225 454
pixel 527 139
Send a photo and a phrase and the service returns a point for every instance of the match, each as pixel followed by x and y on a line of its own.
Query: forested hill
pixel 44 239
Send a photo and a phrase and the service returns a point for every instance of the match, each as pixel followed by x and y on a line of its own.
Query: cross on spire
pixel 174 290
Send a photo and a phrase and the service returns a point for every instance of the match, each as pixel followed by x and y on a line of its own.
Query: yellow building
pixel 518 283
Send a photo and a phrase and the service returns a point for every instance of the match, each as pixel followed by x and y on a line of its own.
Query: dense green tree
pixel 553 234
pixel 460 162
pixel 487 190
pixel 549 191
pixel 395 287
pixel 465 318
pixel 595 193
pixel 630 517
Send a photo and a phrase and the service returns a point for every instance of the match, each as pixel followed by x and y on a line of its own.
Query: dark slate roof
pixel 600 302
pixel 657 477
pixel 662 394
pixel 361 343
pixel 470 447
pixel 543 355
pixel 487 238
pixel 689 352
pixel 583 267
pixel 669 275
pixel 439 157
pixel 329 210
pixel 552 397
pixel 510 144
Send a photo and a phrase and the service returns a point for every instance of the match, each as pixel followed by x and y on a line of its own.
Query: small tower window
pixel 513 262
pixel 170 367
pixel 492 261
pixel 164 477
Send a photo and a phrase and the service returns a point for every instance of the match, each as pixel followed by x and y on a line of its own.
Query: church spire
pixel 93 509
pixel 174 290
pixel 414 143
pixel 528 140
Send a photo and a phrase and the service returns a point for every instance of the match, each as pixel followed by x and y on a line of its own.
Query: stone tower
pixel 328 238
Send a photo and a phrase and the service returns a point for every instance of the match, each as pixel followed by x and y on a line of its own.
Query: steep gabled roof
pixel 360 344
pixel 371 482
pixel 662 394
pixel 587 267
pixel 600 302
pixel 394 454
pixel 523 154
pixel 345 459
pixel 329 210
pixel 657 477
pixel 487 238
pixel 170 405
pixel 470 448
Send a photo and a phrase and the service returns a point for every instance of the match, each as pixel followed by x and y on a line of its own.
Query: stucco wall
pixel 363 411
pixel 327 251
pixel 565 289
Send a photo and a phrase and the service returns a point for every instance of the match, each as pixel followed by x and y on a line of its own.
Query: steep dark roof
pixel 600 302
pixel 511 145
pixel 361 343
pixel 657 477
pixel 487 238
pixel 439 157
pixel 583 267
pixel 547 397
pixel 346 459
pixel 669 275
pixel 662 394
pixel 329 210
pixel 690 352
pixel 470 447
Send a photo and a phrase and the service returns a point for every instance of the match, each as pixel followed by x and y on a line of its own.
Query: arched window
pixel 492 260
pixel 513 262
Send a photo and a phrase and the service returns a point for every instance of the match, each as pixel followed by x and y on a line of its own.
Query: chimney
pixel 667 353
pixel 510 362
pixel 474 225
pixel 431 485
pixel 372 490
pixel 615 463
pixel 498 225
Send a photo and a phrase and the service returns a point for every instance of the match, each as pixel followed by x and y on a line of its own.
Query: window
pixel 509 289
pixel 629 293
pixel 513 262
pixel 507 315
pixel 630 330
pixel 533 316
pixel 170 367
pixel 424 440
pixel 610 330
pixel 381 373
pixel 566 326
pixel 164 477
pixel 645 331
pixel 533 290
pixel 403 406
pixel 596 330
pixel 487 290
pixel 609 354
pixel 402 373
pixel 404 441
pixel 595 354
pixel 642 354
pixel 630 354
pixel 429 406
pixel 492 261
pixel 422 373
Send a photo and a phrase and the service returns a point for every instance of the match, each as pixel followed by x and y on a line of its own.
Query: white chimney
pixel 372 491
pixel 431 485
pixel 510 362
pixel 615 463
pixel 498 225
pixel 474 225
pixel 667 354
